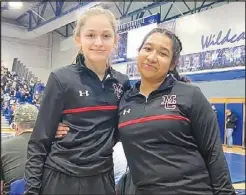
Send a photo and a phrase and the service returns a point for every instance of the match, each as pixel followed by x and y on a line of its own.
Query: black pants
pixel 54 182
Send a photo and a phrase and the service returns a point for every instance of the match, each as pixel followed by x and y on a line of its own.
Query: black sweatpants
pixel 54 182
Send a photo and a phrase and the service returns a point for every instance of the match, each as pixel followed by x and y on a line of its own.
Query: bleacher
pixel 18 86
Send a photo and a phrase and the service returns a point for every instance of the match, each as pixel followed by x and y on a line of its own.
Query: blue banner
pixel 139 22
pixel 120 55
pixel 169 25
pixel 132 70
pixel 214 59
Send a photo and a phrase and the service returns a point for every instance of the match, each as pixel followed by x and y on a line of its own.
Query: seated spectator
pixel 39 87
pixel 29 98
pixel 18 94
pixel 5 108
pixel 22 96
pixel 12 100
pixel 16 90
pixel 13 154
pixel 8 113
pixel 12 111
pixel 2 96
pixel 6 97
pixel 6 89
pixel 36 100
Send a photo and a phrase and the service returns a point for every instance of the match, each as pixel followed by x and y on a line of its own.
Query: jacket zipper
pixel 147 99
pixel 95 75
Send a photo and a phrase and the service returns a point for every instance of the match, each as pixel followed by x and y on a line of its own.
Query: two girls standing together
pixel 168 129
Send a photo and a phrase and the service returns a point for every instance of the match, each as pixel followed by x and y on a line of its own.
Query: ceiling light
pixel 15 5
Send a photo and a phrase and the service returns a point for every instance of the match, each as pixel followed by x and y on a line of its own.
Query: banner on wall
pixel 214 59
pixel 155 18
pixel 169 25
pixel 120 55
pixel 213 39
pixel 135 39
pixel 132 71
pixel 213 42
pixel 131 35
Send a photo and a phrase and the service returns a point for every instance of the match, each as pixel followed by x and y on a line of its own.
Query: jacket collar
pixel 80 63
pixel 166 84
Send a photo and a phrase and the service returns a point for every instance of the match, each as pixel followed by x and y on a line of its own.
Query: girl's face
pixel 97 39
pixel 154 58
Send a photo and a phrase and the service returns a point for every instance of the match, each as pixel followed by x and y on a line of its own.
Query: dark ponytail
pixel 175 73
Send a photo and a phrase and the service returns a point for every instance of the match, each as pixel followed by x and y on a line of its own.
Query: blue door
pixel 237 109
pixel 220 108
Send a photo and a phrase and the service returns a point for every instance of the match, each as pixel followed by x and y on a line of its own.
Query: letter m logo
pixel 169 101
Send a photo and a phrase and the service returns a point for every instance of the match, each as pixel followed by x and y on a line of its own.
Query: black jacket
pixel 75 96
pixel 172 142
pixel 231 121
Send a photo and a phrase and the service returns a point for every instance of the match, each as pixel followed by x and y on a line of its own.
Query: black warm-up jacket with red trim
pixel 172 142
pixel 74 95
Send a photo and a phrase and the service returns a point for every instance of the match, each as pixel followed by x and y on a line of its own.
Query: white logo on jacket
pixel 118 90
pixel 169 101
pixel 84 93
pixel 107 77
pixel 126 111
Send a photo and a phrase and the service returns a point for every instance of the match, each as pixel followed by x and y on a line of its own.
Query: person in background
pixel 35 99
pixel 2 98
pixel 5 108
pixel 2 88
pixel 38 87
pixel 8 113
pixel 12 108
pixel 12 100
pixel 13 153
pixel 231 121
pixel 32 84
pixel 6 97
pixel 29 98
pixel 22 95
pixel 18 95
pixel 4 79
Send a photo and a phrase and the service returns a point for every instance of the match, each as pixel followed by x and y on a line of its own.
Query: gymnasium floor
pixel 236 162
pixel 235 158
